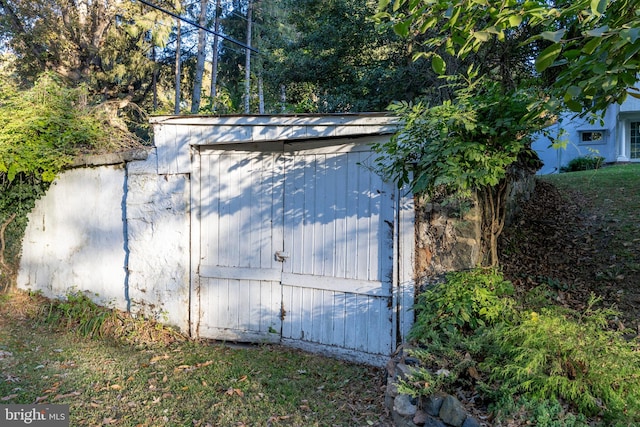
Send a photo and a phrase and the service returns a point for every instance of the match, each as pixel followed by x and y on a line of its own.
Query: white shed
pixel 240 228
pixel 295 238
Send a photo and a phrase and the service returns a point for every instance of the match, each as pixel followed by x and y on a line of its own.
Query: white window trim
pixel 602 141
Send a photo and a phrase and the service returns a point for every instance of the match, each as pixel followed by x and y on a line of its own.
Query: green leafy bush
pixel 559 353
pixel 451 320
pixel 467 301
pixel 524 360
pixel 584 163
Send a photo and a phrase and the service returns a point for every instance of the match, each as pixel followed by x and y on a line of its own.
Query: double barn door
pixel 295 245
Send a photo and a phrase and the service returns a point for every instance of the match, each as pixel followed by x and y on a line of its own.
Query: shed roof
pixel 173 135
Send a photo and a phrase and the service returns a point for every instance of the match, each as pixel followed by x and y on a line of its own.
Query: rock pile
pixel 438 410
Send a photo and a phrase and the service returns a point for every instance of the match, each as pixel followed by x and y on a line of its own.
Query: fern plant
pixel 561 354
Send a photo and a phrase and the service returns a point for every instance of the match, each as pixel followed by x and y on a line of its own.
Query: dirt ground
pixel 581 247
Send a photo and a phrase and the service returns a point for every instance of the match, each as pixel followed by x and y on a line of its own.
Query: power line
pixel 195 24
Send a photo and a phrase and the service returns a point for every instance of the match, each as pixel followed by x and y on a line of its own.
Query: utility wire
pixel 195 24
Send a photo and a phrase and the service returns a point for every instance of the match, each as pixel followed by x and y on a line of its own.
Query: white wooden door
pixel 297 246
pixel 337 283
pixel 241 220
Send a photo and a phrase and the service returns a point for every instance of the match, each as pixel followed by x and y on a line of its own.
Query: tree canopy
pixel 589 46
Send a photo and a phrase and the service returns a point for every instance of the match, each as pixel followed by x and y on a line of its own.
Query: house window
pixel 634 149
pixel 592 136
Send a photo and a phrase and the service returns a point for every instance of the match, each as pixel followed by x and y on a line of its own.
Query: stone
pixel 411 361
pixel 399 421
pixel 404 406
pixel 391 368
pixel 452 412
pixel 420 418
pixel 403 371
pixel 470 422
pixel 433 422
pixel 390 394
pixel 433 403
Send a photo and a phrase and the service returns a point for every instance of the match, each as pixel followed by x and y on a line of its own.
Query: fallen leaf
pixel 11 396
pixel 64 396
pixel 115 387
pixel 232 391
pixel 109 420
pixel 473 373
pixel 158 358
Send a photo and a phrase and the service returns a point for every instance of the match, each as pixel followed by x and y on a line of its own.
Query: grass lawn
pixel 111 381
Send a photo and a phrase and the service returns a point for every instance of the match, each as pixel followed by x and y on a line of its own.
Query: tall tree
pixel 247 63
pixel 591 48
pixel 332 58
pixel 214 60
pixel 202 42
pixel 103 44
pixel 178 68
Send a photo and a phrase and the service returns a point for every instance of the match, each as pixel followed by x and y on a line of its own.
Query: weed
pixel 79 312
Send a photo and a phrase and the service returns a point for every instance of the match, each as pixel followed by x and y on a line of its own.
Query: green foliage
pixel 526 359
pixel 451 318
pixel 549 413
pixel 79 313
pixel 465 302
pixel 590 46
pixel 40 129
pixel 459 146
pixel 571 356
pixel 584 163
pixel 348 64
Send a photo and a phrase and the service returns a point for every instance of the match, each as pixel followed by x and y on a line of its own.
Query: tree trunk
pixel 176 109
pixel 247 65
pixel 493 202
pixel 260 95
pixel 154 79
pixel 202 40
pixel 214 60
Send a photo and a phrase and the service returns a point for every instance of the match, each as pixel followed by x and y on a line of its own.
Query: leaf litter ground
pixel 167 382
pixel 582 238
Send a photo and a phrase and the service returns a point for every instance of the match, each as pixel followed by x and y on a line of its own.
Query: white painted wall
pixel 121 232
pixel 77 240
pixel 157 213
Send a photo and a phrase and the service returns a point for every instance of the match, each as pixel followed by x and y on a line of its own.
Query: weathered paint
pixel 75 239
pixel 297 243
pixel 317 253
